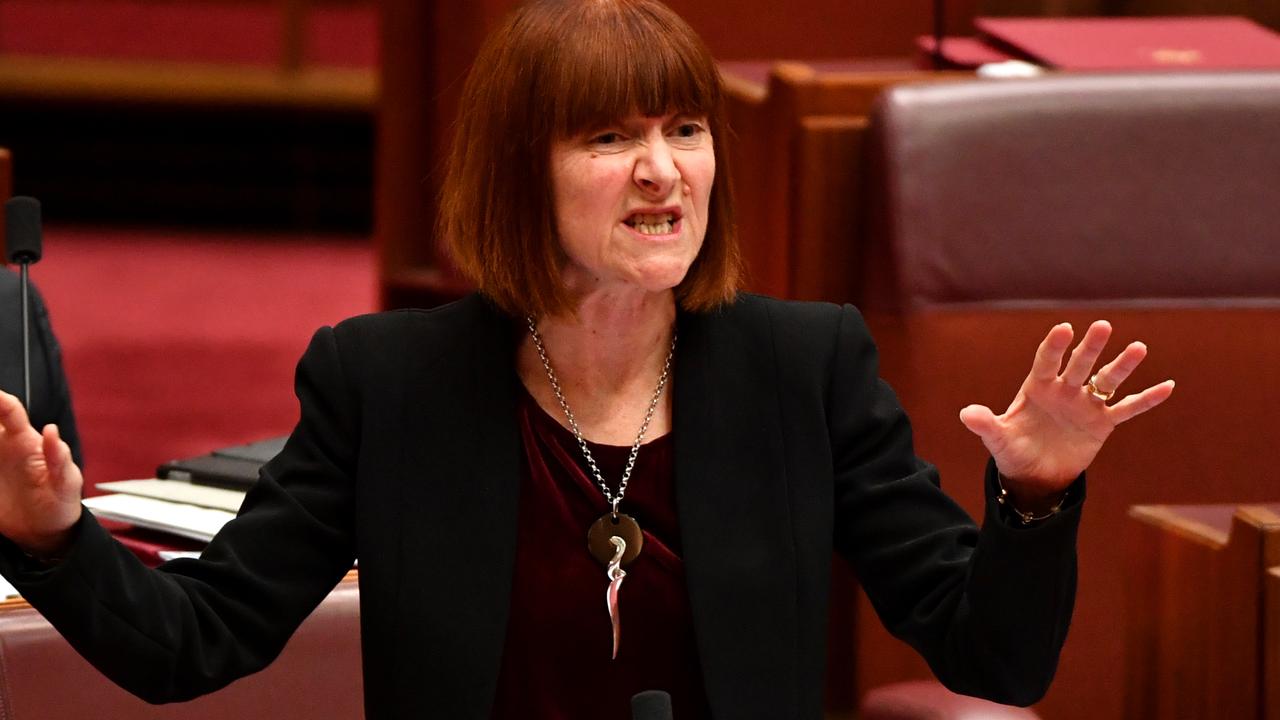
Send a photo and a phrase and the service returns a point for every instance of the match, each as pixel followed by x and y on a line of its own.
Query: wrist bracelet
pixel 1003 498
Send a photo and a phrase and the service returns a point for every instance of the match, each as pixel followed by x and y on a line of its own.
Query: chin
pixel 659 279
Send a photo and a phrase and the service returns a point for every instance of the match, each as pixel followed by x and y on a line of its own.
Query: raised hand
pixel 1059 421
pixel 39 484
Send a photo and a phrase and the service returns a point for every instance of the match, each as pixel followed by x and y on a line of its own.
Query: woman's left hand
pixel 1057 424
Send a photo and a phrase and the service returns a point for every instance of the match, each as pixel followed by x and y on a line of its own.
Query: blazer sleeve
pixel 192 626
pixel 988 608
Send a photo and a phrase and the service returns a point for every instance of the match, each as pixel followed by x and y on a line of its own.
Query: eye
pixel 689 133
pixel 606 138
pixel 689 130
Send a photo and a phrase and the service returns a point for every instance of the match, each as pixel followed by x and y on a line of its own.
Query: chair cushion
pixel 929 700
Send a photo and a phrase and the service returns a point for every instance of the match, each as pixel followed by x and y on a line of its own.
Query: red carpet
pixel 177 342
pixel 209 32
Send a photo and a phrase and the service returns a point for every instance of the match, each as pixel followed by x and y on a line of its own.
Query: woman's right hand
pixel 39 483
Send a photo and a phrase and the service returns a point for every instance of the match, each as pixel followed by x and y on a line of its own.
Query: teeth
pixel 663 228
pixel 660 224
pixel 653 219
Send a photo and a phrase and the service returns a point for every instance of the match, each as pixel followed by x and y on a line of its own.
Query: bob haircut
pixel 556 69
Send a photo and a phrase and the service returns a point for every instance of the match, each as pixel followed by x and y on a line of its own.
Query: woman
pixel 608 471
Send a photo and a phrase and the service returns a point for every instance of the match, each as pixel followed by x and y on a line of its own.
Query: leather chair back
pixel 999 208
pixel 1079 188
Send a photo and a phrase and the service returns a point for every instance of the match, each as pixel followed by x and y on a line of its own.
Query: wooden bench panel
pixel 1195 617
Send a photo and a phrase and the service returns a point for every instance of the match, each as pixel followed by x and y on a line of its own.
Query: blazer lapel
pixel 735 520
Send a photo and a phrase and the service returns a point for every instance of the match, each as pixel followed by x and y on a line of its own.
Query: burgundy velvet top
pixel 556 664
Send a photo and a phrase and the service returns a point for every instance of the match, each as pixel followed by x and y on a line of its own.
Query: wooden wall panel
pixel 798 138
pixel 427 46
pixel 1271 647
pixel 823 255
pixel 938 362
pixel 1195 627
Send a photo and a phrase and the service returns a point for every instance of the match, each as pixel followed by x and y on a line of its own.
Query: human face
pixel 631 202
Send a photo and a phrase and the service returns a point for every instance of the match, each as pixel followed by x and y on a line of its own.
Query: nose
pixel 656 172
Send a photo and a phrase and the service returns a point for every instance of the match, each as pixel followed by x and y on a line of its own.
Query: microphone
pixel 22 230
pixel 651 705
pixel 22 245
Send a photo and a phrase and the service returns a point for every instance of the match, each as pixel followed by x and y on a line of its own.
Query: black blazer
pixel 407 456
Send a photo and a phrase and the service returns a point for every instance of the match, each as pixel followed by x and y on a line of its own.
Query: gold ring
pixel 1092 387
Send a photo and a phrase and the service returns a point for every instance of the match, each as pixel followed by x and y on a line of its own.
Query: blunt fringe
pixel 553 70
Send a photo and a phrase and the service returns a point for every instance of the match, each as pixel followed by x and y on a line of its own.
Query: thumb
pixel 980 421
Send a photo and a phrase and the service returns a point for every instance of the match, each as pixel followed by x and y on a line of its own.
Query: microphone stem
pixel 939 32
pixel 26 337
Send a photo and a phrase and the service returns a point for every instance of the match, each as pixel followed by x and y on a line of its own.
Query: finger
pixel 1112 375
pixel 13 417
pixel 55 457
pixel 1049 354
pixel 1085 355
pixel 1136 404
pixel 980 421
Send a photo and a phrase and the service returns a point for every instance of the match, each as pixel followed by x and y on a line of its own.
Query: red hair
pixel 553 70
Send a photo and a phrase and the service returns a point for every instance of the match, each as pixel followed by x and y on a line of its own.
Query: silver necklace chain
pixel 612 499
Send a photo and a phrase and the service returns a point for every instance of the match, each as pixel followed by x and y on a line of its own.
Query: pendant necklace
pixel 615 538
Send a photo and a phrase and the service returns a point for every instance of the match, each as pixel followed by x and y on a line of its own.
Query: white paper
pixel 188 521
pixel 179 491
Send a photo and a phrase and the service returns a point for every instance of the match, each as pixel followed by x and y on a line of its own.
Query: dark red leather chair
pixel 999 208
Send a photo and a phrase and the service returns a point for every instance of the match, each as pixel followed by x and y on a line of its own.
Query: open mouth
pixel 653 223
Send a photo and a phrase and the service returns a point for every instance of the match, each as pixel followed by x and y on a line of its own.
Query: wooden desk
pixel 1203 620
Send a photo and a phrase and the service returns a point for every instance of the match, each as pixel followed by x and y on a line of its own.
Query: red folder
pixel 1130 43
pixel 148 544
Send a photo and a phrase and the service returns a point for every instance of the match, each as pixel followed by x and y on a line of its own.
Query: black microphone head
pixel 22 229
pixel 651 705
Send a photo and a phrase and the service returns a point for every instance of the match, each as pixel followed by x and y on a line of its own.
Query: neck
pixel 611 339
pixel 607 357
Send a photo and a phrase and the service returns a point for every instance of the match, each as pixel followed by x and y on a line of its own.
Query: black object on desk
pixel 235 467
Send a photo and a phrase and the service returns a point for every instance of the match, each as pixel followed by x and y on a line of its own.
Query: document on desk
pixel 179 491
pixel 190 521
